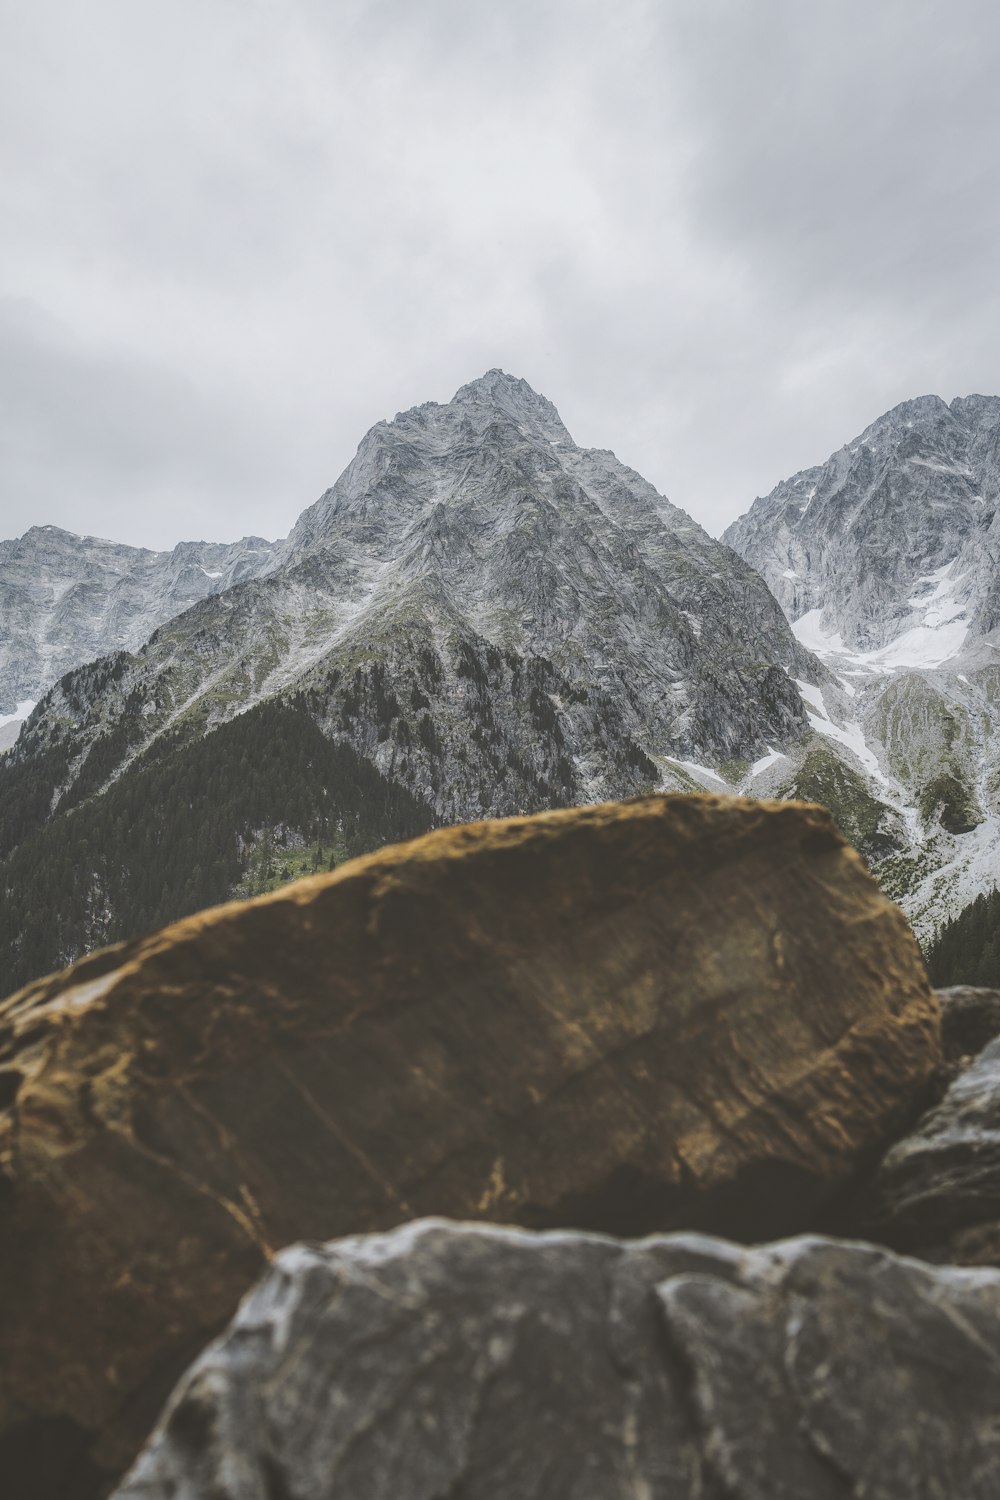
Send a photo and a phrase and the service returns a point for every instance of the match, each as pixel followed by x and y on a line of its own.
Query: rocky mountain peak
pixel 899 513
pixel 533 413
pixel 886 561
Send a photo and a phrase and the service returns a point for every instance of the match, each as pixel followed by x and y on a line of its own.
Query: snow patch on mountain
pixel 21 712
pixel 766 761
pixel 937 639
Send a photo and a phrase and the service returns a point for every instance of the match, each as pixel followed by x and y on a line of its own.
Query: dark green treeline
pixel 172 834
pixel 967 949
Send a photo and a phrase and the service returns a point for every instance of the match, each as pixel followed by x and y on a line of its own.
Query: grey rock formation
pixel 937 1192
pixel 491 1364
pixel 65 599
pixel 497 618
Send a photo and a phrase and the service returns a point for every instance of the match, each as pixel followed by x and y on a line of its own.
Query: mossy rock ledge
pixel 684 1011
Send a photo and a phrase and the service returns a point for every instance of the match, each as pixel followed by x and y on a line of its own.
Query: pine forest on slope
pixel 966 950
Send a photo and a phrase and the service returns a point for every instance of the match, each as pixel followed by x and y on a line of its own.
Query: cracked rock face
pixel 492 1364
pixel 683 1011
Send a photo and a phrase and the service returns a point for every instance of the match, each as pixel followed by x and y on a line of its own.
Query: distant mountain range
pixel 66 599
pixel 491 619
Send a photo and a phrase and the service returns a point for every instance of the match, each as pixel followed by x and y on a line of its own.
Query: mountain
pixel 886 560
pixel 65 599
pixel 892 545
pixel 493 618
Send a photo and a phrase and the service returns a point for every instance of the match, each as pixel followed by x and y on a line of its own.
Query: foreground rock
pixel 448 1359
pixel 970 1018
pixel 681 1011
pixel 937 1192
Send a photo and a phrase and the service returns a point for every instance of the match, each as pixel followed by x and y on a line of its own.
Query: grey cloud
pixel 104 442
pixel 721 237
pixel 853 143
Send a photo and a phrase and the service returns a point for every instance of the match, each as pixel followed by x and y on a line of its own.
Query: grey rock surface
pixel 489 1364
pixel 66 599
pixel 937 1191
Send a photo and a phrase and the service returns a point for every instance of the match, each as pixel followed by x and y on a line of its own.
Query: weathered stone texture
pixel 486 1364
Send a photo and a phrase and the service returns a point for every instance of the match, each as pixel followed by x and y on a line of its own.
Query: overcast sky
pixel 721 235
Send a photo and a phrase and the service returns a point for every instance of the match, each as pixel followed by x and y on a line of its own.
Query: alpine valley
pixel 482 618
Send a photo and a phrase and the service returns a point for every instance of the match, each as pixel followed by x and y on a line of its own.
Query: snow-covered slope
pixel 65 599
pixel 886 560
pixel 497 618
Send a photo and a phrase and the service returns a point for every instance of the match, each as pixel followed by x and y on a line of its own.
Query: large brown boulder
pixel 679 1011
pixel 463 1360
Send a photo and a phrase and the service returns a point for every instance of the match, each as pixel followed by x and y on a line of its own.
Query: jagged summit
pixel 518 399
pixel 497 386
pixel 59 531
pixel 429 454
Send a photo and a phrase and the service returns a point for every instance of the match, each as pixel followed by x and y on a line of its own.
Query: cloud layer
pixel 721 237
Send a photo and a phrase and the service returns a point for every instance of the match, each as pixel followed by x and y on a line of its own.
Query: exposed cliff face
pixel 448 1359
pixel 66 599
pixel 681 1011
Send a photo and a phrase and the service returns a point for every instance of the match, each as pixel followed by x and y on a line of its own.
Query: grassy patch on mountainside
pixel 869 825
pixel 274 859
